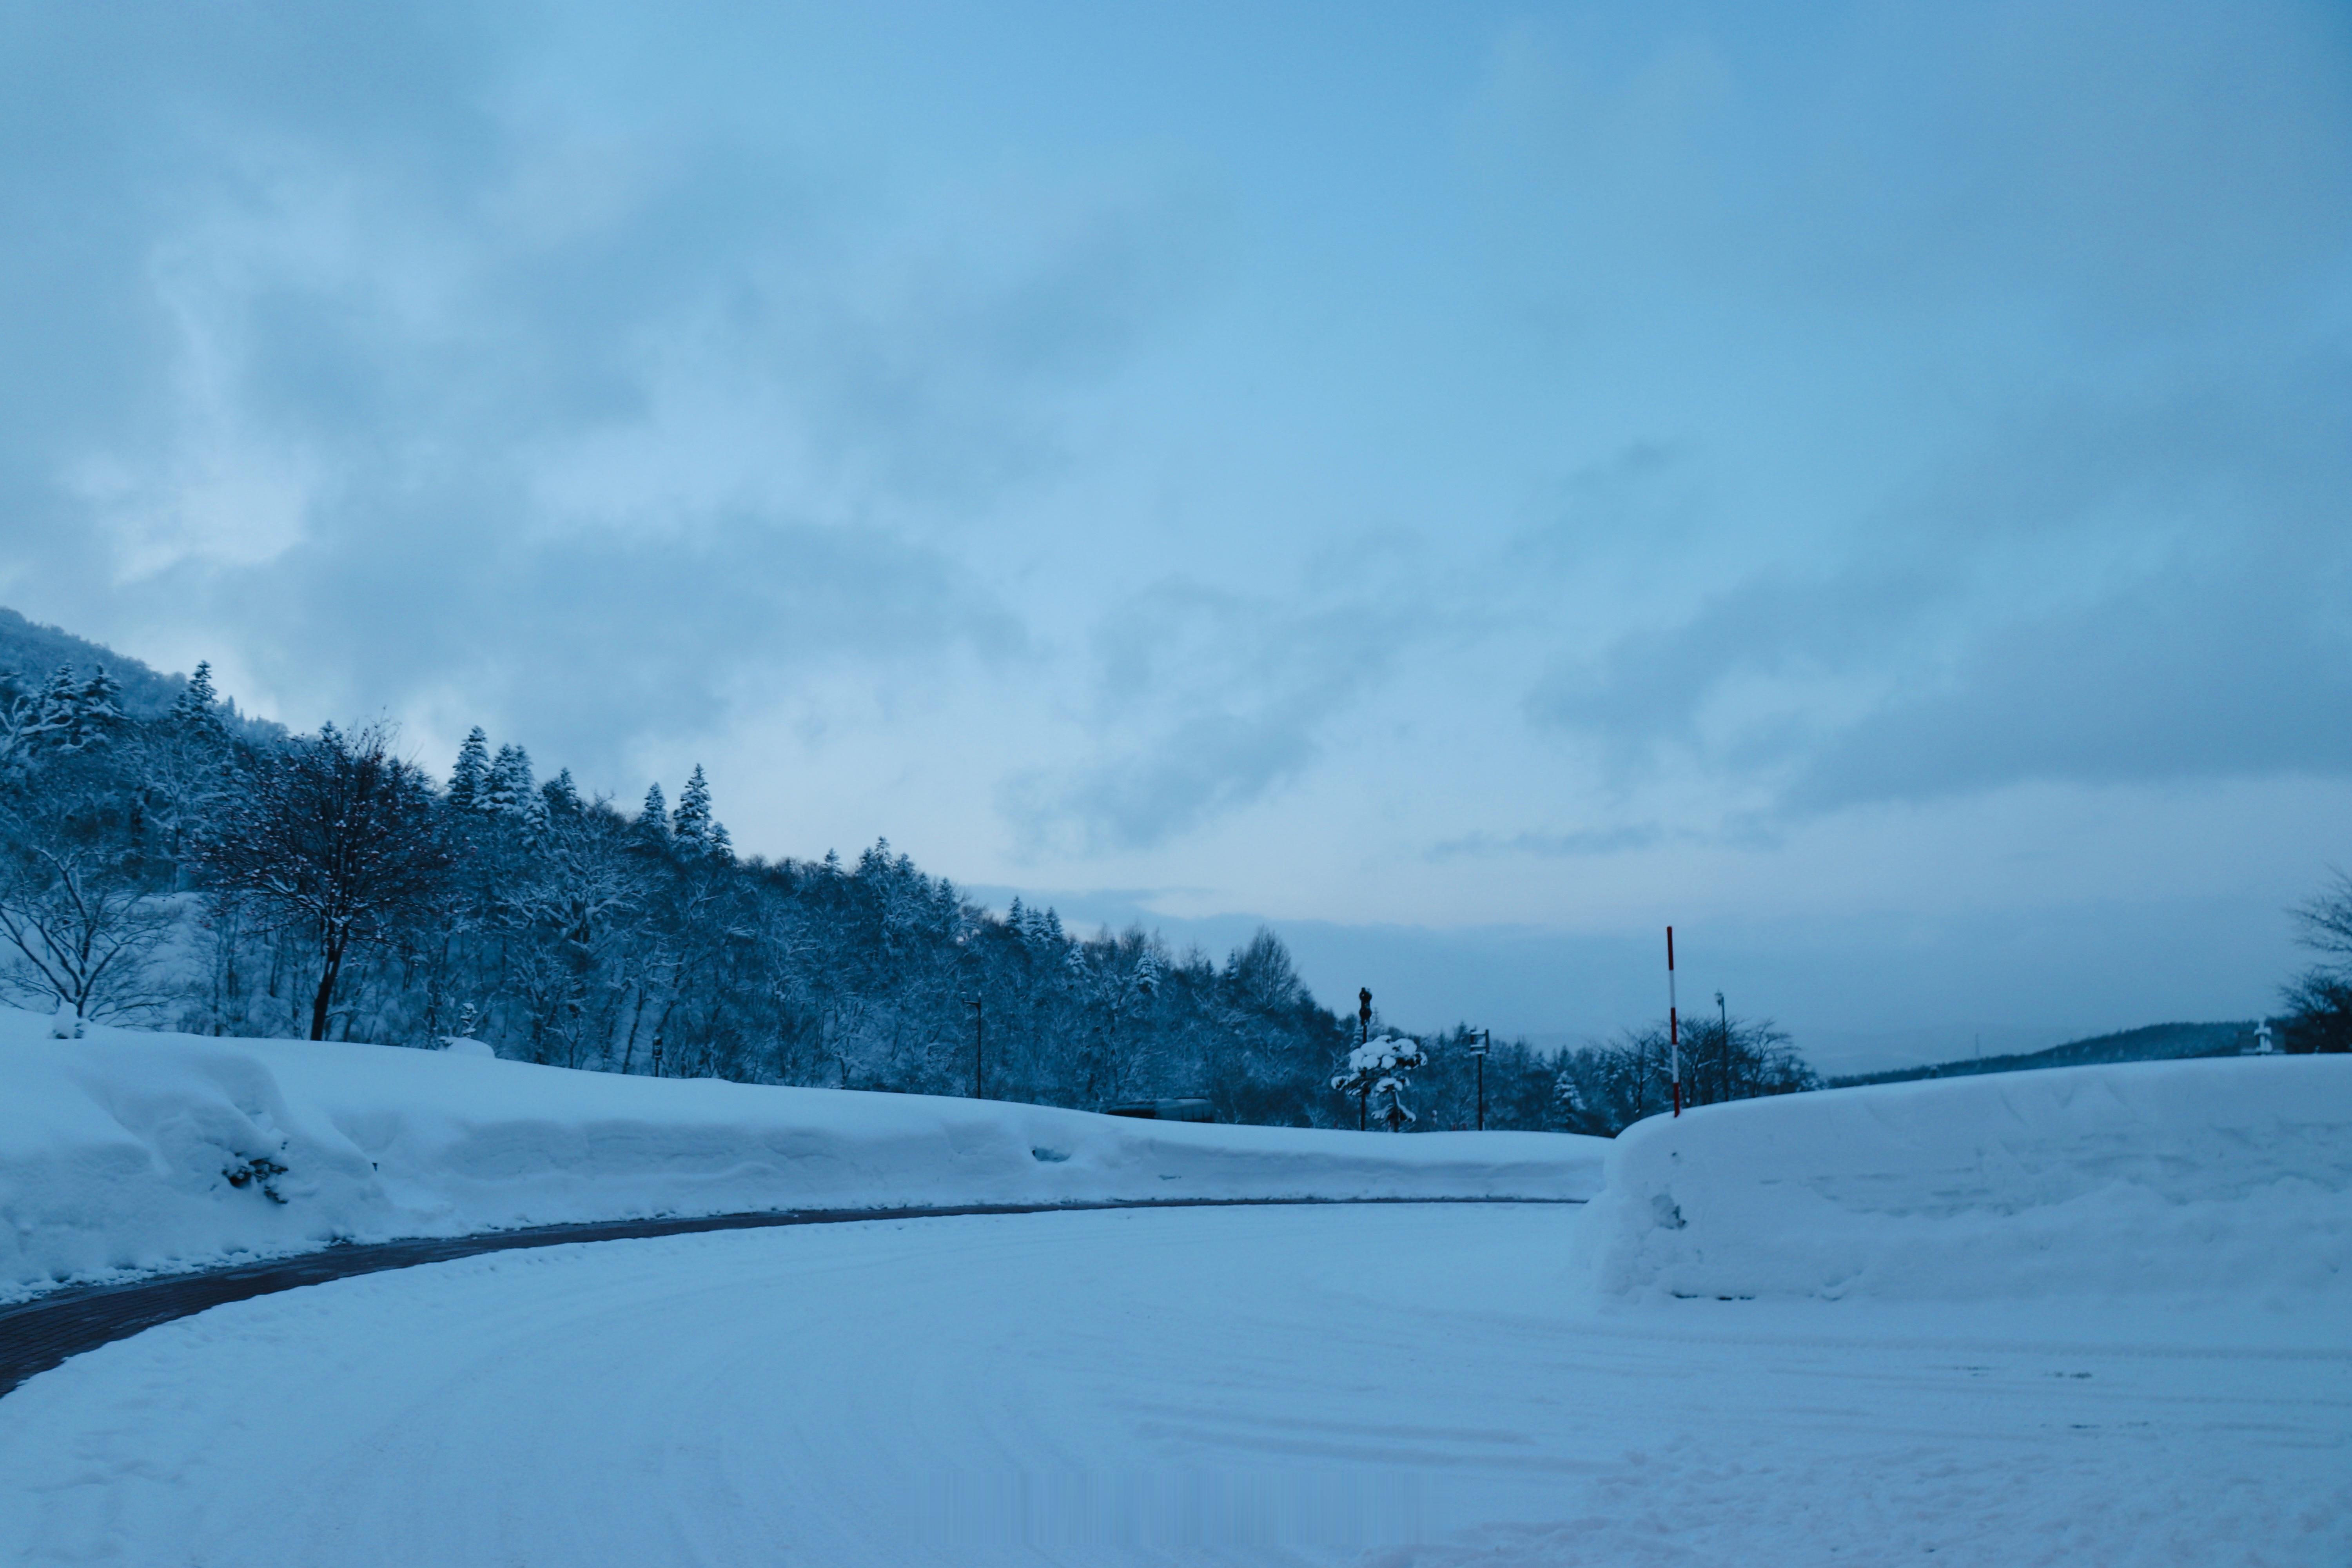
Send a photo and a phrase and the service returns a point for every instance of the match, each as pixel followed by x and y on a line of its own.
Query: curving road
pixel 1262 1386
pixel 38 1334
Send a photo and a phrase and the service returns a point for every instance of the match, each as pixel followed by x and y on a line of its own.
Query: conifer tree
pixel 196 706
pixel 562 796
pixel 472 772
pixel 98 709
pixel 654 815
pixel 508 787
pixel 53 724
pixel 690 823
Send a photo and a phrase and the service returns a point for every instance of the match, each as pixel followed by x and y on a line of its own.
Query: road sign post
pixel 1674 1024
pixel 1485 1038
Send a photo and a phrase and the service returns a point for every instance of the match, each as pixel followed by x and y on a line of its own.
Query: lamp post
pixel 1485 1038
pixel 976 1021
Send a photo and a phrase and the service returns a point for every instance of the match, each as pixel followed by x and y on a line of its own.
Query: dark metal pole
pixel 1486 1044
pixel 1673 1023
pixel 976 1038
pixel 1723 1018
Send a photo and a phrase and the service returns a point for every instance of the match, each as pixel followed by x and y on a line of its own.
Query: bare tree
pixel 81 929
pixel 2319 1000
pixel 334 837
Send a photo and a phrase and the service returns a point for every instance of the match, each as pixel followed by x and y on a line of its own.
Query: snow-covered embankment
pixel 2229 1177
pixel 129 1152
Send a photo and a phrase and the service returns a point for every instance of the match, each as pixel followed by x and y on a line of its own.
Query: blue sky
pixel 1466 484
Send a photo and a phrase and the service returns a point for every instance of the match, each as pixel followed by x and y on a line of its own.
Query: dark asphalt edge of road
pixel 46 1330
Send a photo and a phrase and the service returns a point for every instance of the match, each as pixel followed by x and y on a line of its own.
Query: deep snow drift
pixel 2224 1180
pixel 130 1151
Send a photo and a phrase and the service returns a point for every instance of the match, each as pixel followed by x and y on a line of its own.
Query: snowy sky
pixel 1470 483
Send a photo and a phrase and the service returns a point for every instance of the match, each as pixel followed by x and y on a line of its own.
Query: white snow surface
pixel 2226 1180
pixel 2096 1316
pixel 1389 1386
pixel 122 1153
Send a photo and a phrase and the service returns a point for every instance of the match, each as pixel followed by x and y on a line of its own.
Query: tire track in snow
pixel 46 1332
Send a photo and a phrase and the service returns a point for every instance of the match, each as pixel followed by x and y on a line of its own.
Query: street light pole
pixel 976 1020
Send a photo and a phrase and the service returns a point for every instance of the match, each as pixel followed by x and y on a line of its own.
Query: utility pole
pixel 976 1018
pixel 1673 1023
pixel 1485 1038
pixel 1723 1018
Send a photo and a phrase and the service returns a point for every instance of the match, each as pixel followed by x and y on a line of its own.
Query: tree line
pixel 176 870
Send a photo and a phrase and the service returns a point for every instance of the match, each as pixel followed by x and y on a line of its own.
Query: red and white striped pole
pixel 1673 1022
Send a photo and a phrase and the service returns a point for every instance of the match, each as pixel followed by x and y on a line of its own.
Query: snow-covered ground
pixel 130 1151
pixel 1382 1385
pixel 2099 1316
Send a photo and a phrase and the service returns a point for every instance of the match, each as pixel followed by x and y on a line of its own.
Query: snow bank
pixel 2229 1177
pixel 127 1151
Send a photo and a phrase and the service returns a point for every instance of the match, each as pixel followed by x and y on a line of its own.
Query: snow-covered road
pixel 1242 1385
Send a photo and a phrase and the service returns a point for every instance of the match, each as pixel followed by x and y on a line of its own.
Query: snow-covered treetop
pixel 1380 1058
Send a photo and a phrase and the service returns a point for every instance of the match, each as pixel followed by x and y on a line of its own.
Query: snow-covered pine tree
pixel 196 707
pixel 98 709
pixel 654 815
pixel 20 716
pixel 1567 1099
pixel 1377 1073
pixel 690 823
pixel 562 796
pixel 472 772
pixel 507 789
pixel 53 724
pixel 722 846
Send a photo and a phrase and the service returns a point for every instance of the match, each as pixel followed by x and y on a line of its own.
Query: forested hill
pixel 32 653
pixel 2157 1042
pixel 163 863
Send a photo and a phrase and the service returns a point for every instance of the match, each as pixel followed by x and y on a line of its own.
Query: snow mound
pixel 2217 1178
pixel 128 1151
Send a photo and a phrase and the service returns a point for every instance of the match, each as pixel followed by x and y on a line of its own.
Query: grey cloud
pixel 2118 590
pixel 326 330
pixel 1579 843
pixel 1205 702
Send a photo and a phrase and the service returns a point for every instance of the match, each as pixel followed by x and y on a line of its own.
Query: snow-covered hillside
pixel 130 1150
pixel 2227 1178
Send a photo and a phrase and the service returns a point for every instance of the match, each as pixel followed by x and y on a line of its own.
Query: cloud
pixel 376 324
pixel 1577 845
pixel 2131 589
pixel 1206 701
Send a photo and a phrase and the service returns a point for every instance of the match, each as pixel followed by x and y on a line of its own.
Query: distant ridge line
pixel 2152 1043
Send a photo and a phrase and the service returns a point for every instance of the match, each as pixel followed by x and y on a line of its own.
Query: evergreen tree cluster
pixel 226 881
pixel 191 870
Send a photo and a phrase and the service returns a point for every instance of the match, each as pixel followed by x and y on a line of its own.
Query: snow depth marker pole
pixel 1673 1022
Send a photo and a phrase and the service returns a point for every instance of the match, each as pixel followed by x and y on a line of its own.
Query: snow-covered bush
pixel 1377 1073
